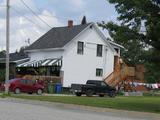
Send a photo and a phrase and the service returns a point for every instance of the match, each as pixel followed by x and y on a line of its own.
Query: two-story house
pixel 82 52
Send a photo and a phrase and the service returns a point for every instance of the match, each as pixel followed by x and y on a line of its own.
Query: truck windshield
pixel 103 84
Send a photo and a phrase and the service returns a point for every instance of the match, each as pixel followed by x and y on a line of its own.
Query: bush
pixel 66 90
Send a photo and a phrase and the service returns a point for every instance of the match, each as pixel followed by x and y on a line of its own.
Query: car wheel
pixel 17 91
pixel 39 91
pixel 78 94
pixel 30 92
pixel 101 95
pixel 89 93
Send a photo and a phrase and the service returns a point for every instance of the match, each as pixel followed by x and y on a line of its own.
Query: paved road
pixel 31 110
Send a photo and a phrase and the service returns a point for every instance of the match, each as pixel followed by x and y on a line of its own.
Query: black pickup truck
pixel 93 87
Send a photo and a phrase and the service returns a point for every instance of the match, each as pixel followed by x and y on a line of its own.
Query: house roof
pixel 57 37
pixel 14 56
pixel 115 44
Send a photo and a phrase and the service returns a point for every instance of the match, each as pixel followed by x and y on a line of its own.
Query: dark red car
pixel 19 85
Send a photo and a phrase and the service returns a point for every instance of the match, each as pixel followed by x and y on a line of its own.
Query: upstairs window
pixel 99 50
pixel 80 47
pixel 99 72
pixel 117 50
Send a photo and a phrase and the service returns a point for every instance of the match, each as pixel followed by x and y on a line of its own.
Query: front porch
pixel 46 71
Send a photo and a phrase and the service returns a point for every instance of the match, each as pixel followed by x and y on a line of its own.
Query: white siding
pixel 80 68
pixel 40 55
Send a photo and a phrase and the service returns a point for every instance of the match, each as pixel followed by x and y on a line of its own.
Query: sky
pixel 26 25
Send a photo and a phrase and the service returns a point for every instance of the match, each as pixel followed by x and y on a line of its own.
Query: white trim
pixel 21 60
pixel 118 45
pixel 46 49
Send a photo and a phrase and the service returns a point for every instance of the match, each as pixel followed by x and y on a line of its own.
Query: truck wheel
pixel 78 94
pixel 101 95
pixel 112 94
pixel 89 93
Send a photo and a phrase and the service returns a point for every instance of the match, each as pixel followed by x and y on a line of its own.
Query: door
pixel 23 85
pixel 103 87
pixel 30 86
pixel 100 88
pixel 27 85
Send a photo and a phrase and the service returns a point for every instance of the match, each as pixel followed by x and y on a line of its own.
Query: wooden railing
pixel 117 76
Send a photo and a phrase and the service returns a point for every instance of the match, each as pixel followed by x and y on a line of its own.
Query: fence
pixel 49 79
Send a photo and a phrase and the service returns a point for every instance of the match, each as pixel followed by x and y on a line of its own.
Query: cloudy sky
pixel 26 25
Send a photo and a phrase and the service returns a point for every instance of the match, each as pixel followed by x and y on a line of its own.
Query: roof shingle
pixel 57 37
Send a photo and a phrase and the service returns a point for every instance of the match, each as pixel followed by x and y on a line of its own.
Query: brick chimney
pixel 70 23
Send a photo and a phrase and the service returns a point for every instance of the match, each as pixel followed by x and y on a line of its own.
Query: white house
pixel 82 51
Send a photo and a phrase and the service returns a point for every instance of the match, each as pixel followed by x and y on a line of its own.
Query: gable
pixel 92 35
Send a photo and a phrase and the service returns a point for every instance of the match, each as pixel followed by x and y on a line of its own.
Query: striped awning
pixel 42 63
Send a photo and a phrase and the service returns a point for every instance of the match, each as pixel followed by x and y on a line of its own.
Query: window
pixel 117 50
pixel 30 82
pixel 23 81
pixel 80 47
pixel 99 50
pixel 26 82
pixel 99 72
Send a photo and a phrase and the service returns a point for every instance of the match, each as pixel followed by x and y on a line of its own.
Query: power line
pixel 35 14
pixel 16 11
pixel 52 15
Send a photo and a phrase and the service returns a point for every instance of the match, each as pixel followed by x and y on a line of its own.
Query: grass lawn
pixel 145 104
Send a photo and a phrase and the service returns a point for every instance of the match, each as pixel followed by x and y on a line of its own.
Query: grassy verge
pixel 4 95
pixel 145 104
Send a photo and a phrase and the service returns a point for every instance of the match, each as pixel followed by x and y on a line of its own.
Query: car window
pixel 23 81
pixel 30 81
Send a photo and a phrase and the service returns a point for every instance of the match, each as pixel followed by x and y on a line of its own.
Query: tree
pixel 138 27
pixel 127 38
pixel 141 13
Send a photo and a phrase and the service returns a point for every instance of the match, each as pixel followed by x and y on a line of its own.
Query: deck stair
pixel 117 76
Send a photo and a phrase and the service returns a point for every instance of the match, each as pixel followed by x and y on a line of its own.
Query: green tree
pixel 129 39
pixel 138 27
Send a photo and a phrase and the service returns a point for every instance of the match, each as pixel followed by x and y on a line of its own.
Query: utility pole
pixel 7 46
